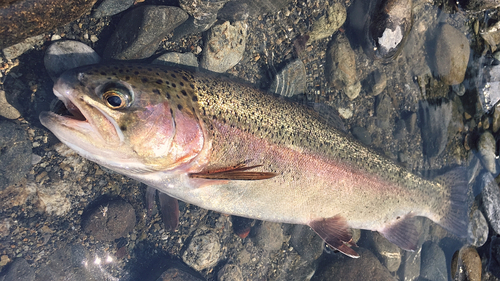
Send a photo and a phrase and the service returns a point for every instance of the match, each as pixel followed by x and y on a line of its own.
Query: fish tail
pixel 454 214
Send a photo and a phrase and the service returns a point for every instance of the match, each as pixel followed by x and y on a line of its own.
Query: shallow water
pixel 404 110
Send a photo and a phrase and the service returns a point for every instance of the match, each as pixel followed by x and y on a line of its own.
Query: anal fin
pixel 336 233
pixel 238 172
pixel 403 233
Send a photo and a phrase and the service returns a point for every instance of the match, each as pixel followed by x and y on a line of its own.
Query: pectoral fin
pixel 336 234
pixel 169 211
pixel 238 172
pixel 402 233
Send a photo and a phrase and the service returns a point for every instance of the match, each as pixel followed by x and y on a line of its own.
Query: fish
pixel 224 145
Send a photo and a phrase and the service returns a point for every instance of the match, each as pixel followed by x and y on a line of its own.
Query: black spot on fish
pixel 173 75
pixel 176 71
pixel 157 74
pixel 156 91
pixel 123 127
pixel 109 78
pixel 103 73
pixel 136 72
pixel 144 80
pixel 179 107
pixel 194 98
pixel 139 67
pixel 166 82
pixel 120 71
pixel 171 112
pixel 115 67
pixel 127 78
pixel 178 97
pixel 159 81
pixel 182 84
pixel 113 73
pixel 183 92
pixel 128 70
pixel 167 95
pixel 150 69
pixel 192 86
pixel 184 78
pixel 173 85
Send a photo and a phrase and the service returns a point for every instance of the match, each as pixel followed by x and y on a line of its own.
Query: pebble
pixel 173 59
pixel 340 68
pixel 451 55
pixel 491 200
pixel 383 111
pixel 345 113
pixel 345 268
pixel 329 23
pixel 68 54
pixel 433 266
pixel 489 92
pixel 434 120
pixel 269 236
pixel 19 270
pixel 478 229
pixel 112 7
pixel 466 265
pixel 203 251
pixel 486 149
pixel 362 135
pixel 18 49
pixel 291 80
pixel 230 272
pixel 15 159
pixel 141 30
pixel 109 220
pixel 55 13
pixel 389 254
pixel 6 109
pixel 224 46
pixel 176 274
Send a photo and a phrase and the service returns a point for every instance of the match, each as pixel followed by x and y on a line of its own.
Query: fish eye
pixel 115 99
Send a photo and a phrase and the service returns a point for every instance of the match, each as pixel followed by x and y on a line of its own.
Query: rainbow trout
pixel 228 147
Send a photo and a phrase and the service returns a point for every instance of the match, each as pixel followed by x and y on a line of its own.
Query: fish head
pixel 131 119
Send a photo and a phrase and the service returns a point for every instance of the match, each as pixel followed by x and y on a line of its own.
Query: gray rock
pixel 306 242
pixel 68 54
pixel 224 47
pixel 478 229
pixel 486 149
pixel 433 266
pixel 173 59
pixel 451 54
pixel 496 119
pixel 141 30
pixel 15 156
pixel 203 252
pixel 375 83
pixel 70 263
pixel 383 110
pixel 410 267
pixel 176 274
pixel 233 11
pixel 110 220
pixel 388 253
pixel 202 16
pixel 481 5
pixel 6 109
pixel 489 93
pixel 259 7
pixel 466 265
pixel 112 7
pixel 19 270
pixel 269 236
pixel 18 49
pixel 491 200
pixel 329 23
pixel 291 80
pixel 230 272
pixel 493 265
pixel 367 267
pixel 362 135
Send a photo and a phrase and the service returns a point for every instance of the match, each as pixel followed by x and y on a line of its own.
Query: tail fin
pixel 454 215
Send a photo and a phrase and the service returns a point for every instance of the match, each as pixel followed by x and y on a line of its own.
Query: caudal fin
pixel 454 215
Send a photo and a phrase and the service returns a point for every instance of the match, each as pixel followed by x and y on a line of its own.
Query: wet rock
pixel 230 272
pixel 329 23
pixel 19 270
pixel 433 266
pixel 375 83
pixel 175 274
pixel 224 47
pixel 491 200
pixel 141 30
pixel 479 5
pixel 486 149
pixel 203 252
pixel 389 254
pixel 110 220
pixel 489 92
pixel 493 265
pixel 466 265
pixel 112 7
pixel 233 11
pixel 175 59
pixel 269 236
pixel 6 109
pixel 410 267
pixel 400 130
pixel 496 119
pixel 434 119
pixel 15 156
pixel 18 49
pixel 259 7
pixel 362 135
pixel 291 80
pixel 345 113
pixel 306 242
pixel 203 15
pixel 383 110
pixel 340 67
pixel 345 268
pixel 68 54
pixel 478 229
pixel 451 55
pixel 21 19
pixel 492 36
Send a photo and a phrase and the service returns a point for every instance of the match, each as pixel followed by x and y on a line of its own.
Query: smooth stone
pixel 224 46
pixel 362 135
pixel 15 159
pixel 478 229
pixel 433 265
pixel 389 254
pixel 21 19
pixel 109 220
pixel 306 242
pixel 173 59
pixel 329 23
pixel 176 274
pixel 491 200
pixel 112 7
pixel 496 119
pixel 19 270
pixel 375 83
pixel 345 113
pixel 489 92
pixel 203 251
pixel 409 270
pixel 486 149
pixel 141 30
pixel 233 11
pixel 6 109
pixel 269 236
pixel 383 111
pixel 434 120
pixel 291 80
pixel 451 54
pixel 18 49
pixel 400 130
pixel 340 67
pixel 466 265
pixel 230 272
pixel 366 267
pixel 68 54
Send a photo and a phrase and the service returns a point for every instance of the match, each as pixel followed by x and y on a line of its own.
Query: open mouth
pixel 68 110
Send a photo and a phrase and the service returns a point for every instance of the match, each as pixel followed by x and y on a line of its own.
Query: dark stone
pixel 141 30
pixel 19 270
pixel 15 153
pixel 362 135
pixel 433 265
pixel 175 274
pixel 112 7
pixel 109 220
pixel 25 18
pixel 233 11
pixel 306 242
pixel 259 7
